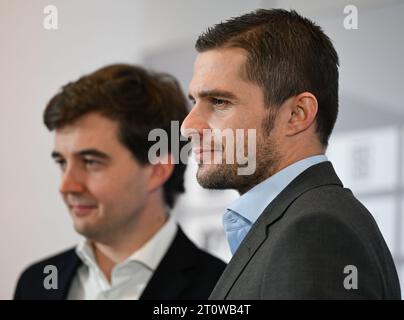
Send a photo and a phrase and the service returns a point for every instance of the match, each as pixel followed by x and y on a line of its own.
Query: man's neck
pixel 110 253
pixel 295 152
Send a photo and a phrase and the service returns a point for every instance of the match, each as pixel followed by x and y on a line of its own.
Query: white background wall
pixel 35 62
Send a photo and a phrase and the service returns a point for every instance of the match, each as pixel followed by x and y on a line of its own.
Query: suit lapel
pixel 69 272
pixel 315 176
pixel 242 256
pixel 170 277
pixel 67 269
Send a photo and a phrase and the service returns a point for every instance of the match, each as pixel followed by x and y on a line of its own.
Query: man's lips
pixel 201 153
pixel 82 210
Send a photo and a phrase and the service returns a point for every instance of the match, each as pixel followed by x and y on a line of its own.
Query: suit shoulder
pixel 336 207
pixel 334 203
pixel 328 221
pixel 35 271
pixel 57 260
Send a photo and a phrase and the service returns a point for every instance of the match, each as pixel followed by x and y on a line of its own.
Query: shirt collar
pixel 150 254
pixel 251 204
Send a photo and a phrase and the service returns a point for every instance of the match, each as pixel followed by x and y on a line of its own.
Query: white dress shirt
pixel 129 278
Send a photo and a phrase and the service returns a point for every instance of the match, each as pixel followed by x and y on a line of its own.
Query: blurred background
pixel 367 147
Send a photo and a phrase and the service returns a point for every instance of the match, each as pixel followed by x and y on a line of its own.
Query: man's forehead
pixel 89 131
pixel 216 69
pixel 221 70
pixel 90 124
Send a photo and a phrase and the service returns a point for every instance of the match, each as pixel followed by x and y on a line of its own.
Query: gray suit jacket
pixel 301 244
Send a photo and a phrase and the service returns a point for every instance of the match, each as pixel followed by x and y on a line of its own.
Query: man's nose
pixel 194 123
pixel 71 182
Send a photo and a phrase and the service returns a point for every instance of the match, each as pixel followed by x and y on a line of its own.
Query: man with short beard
pixel 118 198
pixel 295 232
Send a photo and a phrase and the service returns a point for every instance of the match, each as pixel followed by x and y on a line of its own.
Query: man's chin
pixel 214 176
pixel 85 229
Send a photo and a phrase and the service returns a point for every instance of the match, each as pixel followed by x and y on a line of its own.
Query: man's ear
pixel 160 172
pixel 302 111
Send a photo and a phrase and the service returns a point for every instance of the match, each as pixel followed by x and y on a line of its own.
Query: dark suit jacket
pixel 299 246
pixel 185 272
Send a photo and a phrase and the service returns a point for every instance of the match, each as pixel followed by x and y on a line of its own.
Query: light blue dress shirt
pixel 244 211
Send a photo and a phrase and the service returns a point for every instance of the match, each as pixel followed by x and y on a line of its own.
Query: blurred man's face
pixel 102 184
pixel 223 99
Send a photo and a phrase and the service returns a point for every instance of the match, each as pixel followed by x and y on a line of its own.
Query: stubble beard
pixel 225 176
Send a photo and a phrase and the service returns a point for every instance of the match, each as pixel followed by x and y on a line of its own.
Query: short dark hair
pixel 286 54
pixel 140 100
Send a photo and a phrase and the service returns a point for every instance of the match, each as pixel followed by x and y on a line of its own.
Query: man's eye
pixel 90 162
pixel 219 102
pixel 61 163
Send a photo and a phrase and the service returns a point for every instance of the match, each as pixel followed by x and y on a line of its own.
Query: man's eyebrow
pixel 213 93
pixel 85 152
pixel 94 153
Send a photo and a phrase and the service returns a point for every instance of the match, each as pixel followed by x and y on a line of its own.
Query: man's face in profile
pixel 224 99
pixel 102 184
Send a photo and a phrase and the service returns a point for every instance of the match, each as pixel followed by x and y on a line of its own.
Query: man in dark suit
pixel 119 195
pixel 295 232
